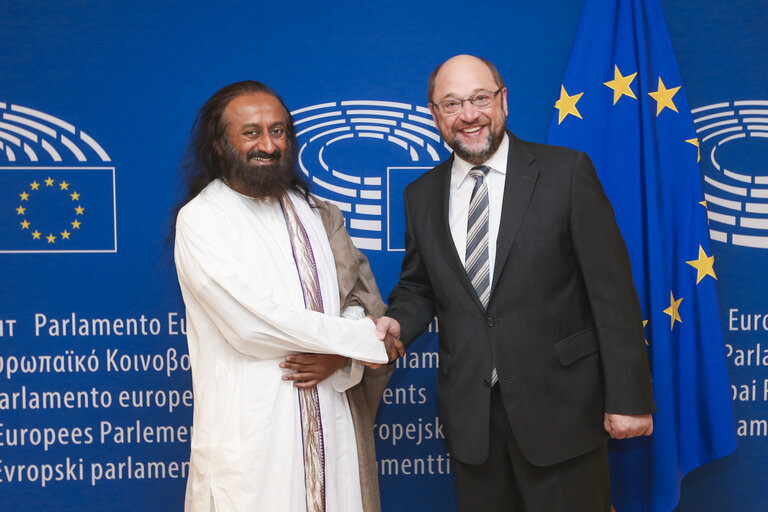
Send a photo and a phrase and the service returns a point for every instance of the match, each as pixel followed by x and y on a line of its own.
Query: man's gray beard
pixel 490 145
pixel 259 181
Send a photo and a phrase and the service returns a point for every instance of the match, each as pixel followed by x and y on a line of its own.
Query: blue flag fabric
pixel 622 102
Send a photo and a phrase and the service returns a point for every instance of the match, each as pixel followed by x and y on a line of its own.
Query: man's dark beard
pixel 492 143
pixel 259 181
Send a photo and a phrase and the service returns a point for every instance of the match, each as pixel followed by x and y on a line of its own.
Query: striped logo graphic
pixel 734 161
pixel 57 186
pixel 361 155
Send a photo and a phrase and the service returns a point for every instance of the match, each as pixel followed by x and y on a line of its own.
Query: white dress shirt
pixel 462 185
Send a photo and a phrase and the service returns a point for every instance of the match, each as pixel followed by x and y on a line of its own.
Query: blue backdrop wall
pixel 96 103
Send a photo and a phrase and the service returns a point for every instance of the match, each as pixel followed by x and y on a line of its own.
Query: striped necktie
pixel 477 261
pixel 309 403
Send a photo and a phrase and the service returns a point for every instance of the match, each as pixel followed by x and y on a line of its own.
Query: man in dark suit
pixel 515 247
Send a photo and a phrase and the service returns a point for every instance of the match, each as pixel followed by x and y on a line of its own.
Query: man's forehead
pixel 255 105
pixel 463 75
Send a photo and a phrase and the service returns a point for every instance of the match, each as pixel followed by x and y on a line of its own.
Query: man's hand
pixel 388 331
pixel 394 346
pixel 386 325
pixel 310 369
pixel 623 426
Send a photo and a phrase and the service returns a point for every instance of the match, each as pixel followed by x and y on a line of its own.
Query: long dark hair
pixel 202 161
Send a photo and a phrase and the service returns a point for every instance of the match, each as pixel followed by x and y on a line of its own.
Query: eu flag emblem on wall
pixel 57 209
pixel 622 102
pixel 52 199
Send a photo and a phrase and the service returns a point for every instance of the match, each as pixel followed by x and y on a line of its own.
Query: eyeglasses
pixel 452 106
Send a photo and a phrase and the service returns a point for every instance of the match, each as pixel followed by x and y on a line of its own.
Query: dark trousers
pixel 508 482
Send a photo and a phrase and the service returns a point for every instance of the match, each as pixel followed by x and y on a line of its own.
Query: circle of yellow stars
pixel 621 85
pixel 63 186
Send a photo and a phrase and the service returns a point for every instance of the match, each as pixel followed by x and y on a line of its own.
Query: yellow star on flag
pixel 663 97
pixel 75 196
pixel 567 105
pixel 704 204
pixel 695 142
pixel 621 85
pixel 704 265
pixel 49 182
pixel 79 210
pixel 51 238
pixel 645 322
pixel 20 210
pixel 65 234
pixel 25 224
pixel 673 310
pixel 36 235
pixel 24 196
pixel 34 185
pixel 76 225
pixel 64 185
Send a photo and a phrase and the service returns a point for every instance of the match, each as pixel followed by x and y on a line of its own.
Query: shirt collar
pixel 497 162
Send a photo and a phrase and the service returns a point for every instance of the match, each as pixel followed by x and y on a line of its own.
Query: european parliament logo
pixel 734 160
pixel 361 155
pixel 57 189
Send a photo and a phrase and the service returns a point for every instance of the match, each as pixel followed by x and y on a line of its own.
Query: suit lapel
pixel 443 235
pixel 518 188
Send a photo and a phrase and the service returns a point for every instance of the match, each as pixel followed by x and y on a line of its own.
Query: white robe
pixel 245 313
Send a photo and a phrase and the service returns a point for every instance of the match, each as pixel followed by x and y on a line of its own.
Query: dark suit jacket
pixel 563 324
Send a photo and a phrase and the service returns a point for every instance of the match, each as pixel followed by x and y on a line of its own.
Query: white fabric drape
pixel 245 312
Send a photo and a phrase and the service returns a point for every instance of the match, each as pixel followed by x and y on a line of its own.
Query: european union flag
pixel 622 102
pixel 57 209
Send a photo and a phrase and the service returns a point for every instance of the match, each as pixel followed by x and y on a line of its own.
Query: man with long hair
pixel 273 288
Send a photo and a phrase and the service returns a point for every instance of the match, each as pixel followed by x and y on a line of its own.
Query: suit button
pixel 491 321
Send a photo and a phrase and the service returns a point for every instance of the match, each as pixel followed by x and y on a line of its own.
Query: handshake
pixel 308 370
pixel 388 331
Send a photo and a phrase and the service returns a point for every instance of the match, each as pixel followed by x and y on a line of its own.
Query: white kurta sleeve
pixel 215 277
pixel 351 373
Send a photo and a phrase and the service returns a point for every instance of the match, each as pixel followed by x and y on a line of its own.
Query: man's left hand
pixel 310 369
pixel 624 426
